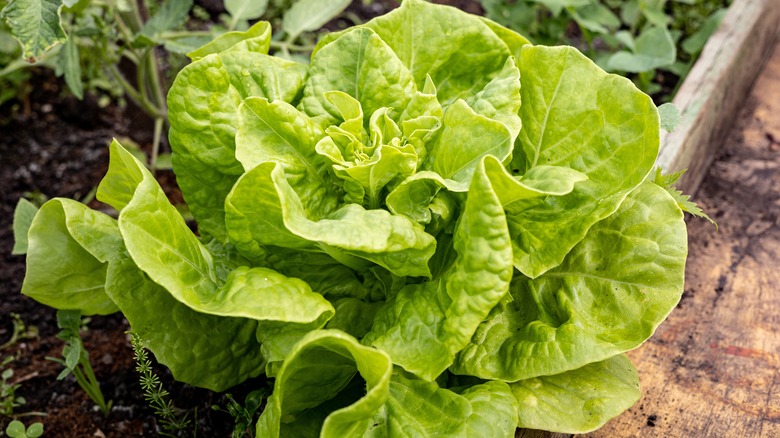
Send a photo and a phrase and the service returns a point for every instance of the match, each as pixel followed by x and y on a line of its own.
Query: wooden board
pixel 715 89
pixel 713 368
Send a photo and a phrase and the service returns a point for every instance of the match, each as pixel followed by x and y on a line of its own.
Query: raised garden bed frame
pixel 712 94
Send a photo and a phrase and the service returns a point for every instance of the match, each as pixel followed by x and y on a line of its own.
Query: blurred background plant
pixel 654 42
pixel 132 49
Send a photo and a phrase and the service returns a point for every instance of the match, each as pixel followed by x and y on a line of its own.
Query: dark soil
pixel 58 149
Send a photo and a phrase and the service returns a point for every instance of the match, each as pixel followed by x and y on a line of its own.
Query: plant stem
pixel 127 33
pixel 86 379
pixel 32 414
pixel 233 23
pixel 140 75
pixel 156 83
pixel 153 76
pixel 373 200
pixel 137 98
pixel 159 122
pixel 139 22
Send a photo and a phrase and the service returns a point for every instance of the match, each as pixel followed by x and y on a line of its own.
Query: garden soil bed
pixel 712 369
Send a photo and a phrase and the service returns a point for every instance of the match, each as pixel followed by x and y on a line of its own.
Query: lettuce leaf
pixel 69 247
pixel 577 401
pixel 607 297
pixel 203 105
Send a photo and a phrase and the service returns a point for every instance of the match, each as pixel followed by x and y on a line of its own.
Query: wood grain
pixel 714 91
pixel 713 368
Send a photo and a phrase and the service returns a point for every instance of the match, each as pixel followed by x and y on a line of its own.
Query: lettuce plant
pixel 434 228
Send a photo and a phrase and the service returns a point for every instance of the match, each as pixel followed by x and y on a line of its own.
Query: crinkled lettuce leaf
pixel 419 408
pixel 277 132
pixel 458 51
pixel 362 65
pixel 255 39
pixel 580 400
pixel 332 384
pixel 426 324
pixel 608 296
pixel 203 105
pixel 317 371
pixel 264 210
pixel 204 350
pixel 579 117
pixel 69 246
pixel 160 244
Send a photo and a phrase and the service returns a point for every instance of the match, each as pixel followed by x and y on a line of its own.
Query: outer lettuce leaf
pixel 24 213
pixel 362 65
pixel 580 400
pixel 161 245
pixel 417 408
pixel 203 106
pixel 255 39
pixel 69 247
pixel 512 39
pixel 157 238
pixel 266 295
pixel 314 385
pixel 427 324
pixel 317 369
pixel 457 50
pixel 204 350
pixel 576 116
pixel 264 210
pixel 607 297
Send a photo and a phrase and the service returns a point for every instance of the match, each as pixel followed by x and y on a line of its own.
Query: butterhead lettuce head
pixel 433 228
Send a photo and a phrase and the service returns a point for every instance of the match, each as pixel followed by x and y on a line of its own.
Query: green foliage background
pixel 638 38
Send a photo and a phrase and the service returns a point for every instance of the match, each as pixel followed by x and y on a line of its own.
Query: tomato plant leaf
pixel 36 23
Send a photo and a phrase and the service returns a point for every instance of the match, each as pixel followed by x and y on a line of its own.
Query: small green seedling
pixel 20 331
pixel 76 357
pixel 154 393
pixel 8 398
pixel 244 415
pixel 16 429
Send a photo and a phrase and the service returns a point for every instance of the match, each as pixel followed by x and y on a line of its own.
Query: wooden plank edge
pixel 711 96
